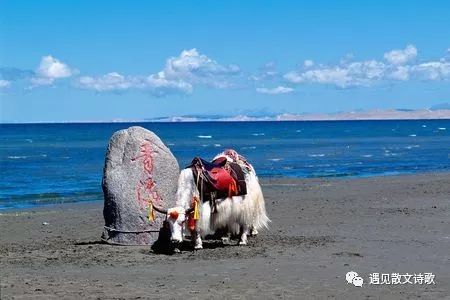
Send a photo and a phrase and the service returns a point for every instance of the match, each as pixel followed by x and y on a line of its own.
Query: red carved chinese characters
pixel 146 188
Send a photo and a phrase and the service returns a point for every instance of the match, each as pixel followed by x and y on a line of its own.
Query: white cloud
pixel 294 77
pixel 343 76
pixel 399 67
pixel 179 75
pixel 108 82
pixel 190 69
pixel 366 70
pixel 52 68
pixel 191 63
pixel 160 85
pixel 399 57
pixel 433 70
pixel 266 72
pixel 156 84
pixel 193 67
pixel 401 73
pixel 308 63
pixel 49 70
pixel 275 91
pixel 4 84
pixel 334 75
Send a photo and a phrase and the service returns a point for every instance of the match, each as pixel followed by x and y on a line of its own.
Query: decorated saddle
pixel 218 179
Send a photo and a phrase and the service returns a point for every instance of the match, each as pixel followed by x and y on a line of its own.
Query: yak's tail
pixel 260 219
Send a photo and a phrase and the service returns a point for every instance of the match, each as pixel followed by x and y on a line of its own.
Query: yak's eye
pixel 173 215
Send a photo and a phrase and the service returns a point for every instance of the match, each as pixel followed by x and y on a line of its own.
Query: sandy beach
pixel 320 230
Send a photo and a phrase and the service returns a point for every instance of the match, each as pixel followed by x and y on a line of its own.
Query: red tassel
pixel 194 215
pixel 191 222
pixel 232 189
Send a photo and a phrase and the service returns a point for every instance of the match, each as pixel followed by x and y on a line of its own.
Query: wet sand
pixel 320 230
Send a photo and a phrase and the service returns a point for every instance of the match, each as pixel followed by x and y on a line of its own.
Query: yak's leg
pixel 224 234
pixel 197 239
pixel 244 233
pixel 253 231
pixel 226 238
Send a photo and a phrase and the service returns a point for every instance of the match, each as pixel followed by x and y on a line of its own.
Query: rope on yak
pixel 195 203
pixel 195 214
pixel 147 186
pixel 129 231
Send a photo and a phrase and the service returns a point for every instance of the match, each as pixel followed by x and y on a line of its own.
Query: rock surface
pixel 138 167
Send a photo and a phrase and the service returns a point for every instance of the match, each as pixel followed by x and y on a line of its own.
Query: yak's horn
pixel 160 210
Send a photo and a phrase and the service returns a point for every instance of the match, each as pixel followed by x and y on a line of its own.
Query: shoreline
pixel 262 180
pixel 320 229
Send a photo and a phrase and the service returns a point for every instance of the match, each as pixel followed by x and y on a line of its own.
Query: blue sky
pixel 103 60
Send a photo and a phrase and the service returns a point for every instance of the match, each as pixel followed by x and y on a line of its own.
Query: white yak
pixel 237 214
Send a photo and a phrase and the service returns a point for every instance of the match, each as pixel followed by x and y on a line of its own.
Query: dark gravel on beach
pixel 320 230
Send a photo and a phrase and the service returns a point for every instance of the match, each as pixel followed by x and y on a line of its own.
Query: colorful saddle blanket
pixel 218 179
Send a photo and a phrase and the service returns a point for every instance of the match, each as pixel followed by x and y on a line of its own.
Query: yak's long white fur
pixel 232 213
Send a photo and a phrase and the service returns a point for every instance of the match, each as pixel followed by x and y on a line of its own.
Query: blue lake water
pixel 55 163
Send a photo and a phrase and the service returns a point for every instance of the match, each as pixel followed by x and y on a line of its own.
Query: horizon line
pixel 354 115
pixel 222 121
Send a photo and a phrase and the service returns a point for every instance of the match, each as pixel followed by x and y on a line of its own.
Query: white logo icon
pixel 353 277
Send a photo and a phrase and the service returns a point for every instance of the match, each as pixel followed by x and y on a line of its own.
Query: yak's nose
pixel 175 241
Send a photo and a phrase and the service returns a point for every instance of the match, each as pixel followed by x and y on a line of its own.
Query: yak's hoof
pixel 242 243
pixel 226 241
pixel 254 232
pixel 198 247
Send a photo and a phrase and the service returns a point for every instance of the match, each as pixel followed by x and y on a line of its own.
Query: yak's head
pixel 176 218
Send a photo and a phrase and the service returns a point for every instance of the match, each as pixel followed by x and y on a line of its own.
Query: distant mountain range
pixel 378 114
pixel 440 111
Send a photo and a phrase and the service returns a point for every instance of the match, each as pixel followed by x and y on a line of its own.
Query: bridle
pixel 164 211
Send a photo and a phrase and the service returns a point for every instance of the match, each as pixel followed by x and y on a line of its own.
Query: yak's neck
pixel 186 188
